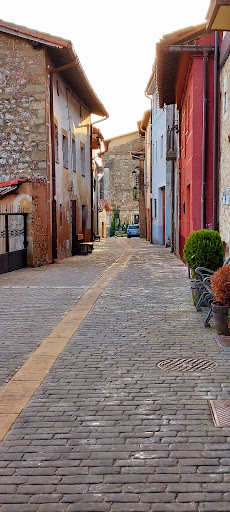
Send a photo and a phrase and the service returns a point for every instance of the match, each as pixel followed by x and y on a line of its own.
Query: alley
pixel 108 429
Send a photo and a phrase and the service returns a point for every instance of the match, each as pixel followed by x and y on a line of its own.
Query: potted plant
pixel 220 284
pixel 203 248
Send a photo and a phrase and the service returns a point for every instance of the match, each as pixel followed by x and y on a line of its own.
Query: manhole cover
pixel 220 410
pixel 187 365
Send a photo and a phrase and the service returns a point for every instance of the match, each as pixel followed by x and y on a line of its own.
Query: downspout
pixel 204 141
pixel 53 173
pixel 215 132
pixel 151 185
pixel 91 181
pixel 173 182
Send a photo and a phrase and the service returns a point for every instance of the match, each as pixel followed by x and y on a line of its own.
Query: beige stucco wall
pixel 224 173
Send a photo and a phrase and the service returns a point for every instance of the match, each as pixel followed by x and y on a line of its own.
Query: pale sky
pixel 115 42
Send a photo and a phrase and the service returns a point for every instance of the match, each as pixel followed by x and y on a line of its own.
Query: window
pixel 56 143
pixel 155 208
pixel 185 129
pixel 136 219
pixel 82 159
pixel 74 158
pixel 65 150
pixel 225 98
pixel 189 107
pixel 162 146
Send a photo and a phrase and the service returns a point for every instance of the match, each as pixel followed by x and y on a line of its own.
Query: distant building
pixel 121 179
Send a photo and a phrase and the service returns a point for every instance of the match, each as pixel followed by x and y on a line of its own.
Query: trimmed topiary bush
pixel 204 248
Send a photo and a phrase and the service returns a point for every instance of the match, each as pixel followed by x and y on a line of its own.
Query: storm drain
pixel 220 410
pixel 187 365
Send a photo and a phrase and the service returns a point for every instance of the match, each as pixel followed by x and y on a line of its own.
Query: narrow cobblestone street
pixel 108 430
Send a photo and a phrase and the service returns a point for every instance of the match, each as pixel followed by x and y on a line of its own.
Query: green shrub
pixel 115 224
pixel 204 248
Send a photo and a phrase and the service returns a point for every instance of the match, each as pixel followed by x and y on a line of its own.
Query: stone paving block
pixel 89 507
pixel 172 507
pixel 214 507
pixel 19 508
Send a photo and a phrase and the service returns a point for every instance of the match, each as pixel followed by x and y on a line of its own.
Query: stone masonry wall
pixel 224 180
pixel 22 109
pixel 121 178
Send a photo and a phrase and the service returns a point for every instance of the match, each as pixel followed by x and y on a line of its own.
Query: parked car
pixel 133 230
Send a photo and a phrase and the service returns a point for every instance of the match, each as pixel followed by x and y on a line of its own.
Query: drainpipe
pixel 204 142
pixel 151 186
pixel 91 169
pixel 172 182
pixel 53 173
pixel 215 132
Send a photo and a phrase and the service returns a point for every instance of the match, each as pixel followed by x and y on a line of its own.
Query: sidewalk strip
pixel 21 387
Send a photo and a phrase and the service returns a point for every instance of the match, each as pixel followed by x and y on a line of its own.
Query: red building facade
pixel 196 143
pixel 185 62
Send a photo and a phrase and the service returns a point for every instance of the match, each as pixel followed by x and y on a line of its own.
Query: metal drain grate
pixel 220 410
pixel 187 365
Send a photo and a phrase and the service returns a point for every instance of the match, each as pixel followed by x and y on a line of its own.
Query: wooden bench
pixel 83 247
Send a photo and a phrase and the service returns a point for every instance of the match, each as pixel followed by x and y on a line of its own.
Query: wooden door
pixel 74 228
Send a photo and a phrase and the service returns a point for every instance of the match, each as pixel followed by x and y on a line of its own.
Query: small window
pixel 155 208
pixel 82 159
pixel 225 97
pixel 74 158
pixel 56 143
pixel 65 150
pixel 162 146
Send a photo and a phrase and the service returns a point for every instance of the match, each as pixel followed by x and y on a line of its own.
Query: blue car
pixel 133 230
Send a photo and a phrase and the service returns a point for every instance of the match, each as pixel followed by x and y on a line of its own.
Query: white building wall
pixel 71 183
pixel 161 174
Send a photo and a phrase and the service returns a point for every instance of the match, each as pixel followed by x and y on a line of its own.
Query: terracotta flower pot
pixel 220 315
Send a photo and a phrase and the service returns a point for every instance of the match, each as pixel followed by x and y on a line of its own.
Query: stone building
pixel 218 19
pixel 46 104
pixel 121 176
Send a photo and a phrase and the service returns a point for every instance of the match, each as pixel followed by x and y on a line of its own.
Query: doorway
pixel 74 228
pixel 83 216
pixel 163 215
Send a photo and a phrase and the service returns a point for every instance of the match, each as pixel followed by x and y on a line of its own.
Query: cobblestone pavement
pixel 34 300
pixel 108 430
